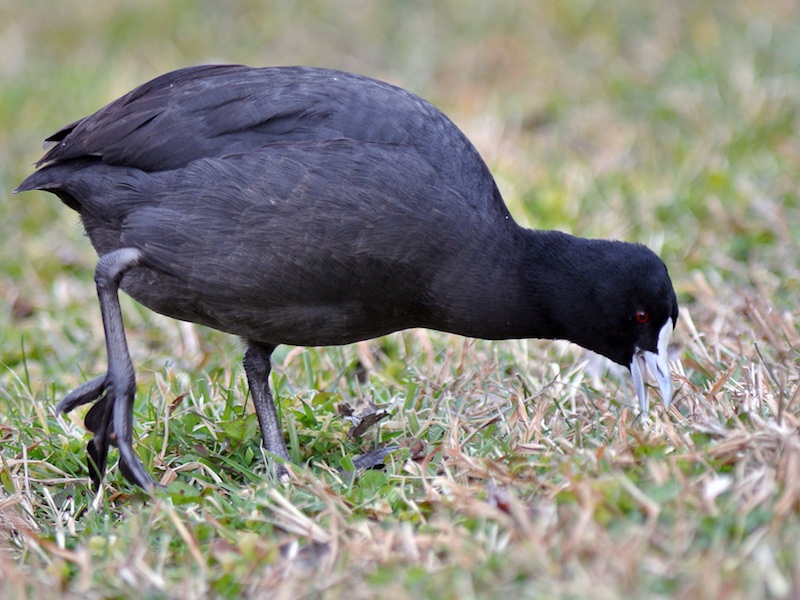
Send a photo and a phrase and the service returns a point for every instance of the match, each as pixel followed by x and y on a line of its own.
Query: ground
pixel 525 468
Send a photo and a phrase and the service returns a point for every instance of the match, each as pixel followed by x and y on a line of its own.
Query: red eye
pixel 642 316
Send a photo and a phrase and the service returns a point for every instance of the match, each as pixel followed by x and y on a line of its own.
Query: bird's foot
pixel 371 459
pixel 100 421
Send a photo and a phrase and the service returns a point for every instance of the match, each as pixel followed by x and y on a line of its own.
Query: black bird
pixel 295 205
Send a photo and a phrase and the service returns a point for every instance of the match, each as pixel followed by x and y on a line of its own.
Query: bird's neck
pixel 526 293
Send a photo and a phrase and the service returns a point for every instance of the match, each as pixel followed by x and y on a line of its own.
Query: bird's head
pixel 621 304
pixel 640 311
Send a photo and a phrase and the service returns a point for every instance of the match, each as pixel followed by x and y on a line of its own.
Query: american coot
pixel 294 205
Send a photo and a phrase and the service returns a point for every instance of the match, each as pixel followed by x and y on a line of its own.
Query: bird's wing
pixel 216 111
pixel 207 111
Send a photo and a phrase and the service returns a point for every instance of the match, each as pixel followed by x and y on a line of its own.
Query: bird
pixel 315 207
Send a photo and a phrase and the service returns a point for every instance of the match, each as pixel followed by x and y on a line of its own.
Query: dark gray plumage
pixel 306 206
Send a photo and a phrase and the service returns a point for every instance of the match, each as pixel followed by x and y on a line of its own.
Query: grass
pixel 524 469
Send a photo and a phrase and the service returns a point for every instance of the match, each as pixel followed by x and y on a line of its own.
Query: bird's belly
pixel 271 321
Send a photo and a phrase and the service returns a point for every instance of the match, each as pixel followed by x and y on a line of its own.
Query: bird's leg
pixel 111 418
pixel 257 367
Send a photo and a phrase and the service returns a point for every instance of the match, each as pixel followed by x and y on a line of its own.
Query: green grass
pixel 522 472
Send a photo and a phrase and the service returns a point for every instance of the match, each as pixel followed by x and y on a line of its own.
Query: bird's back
pixel 211 111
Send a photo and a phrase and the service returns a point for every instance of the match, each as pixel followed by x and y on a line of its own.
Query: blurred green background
pixel 672 124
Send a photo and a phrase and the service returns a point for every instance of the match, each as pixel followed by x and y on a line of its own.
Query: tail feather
pixel 59 179
pixel 40 180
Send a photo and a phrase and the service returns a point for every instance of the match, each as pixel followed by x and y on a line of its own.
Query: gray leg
pixel 257 367
pixel 111 418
